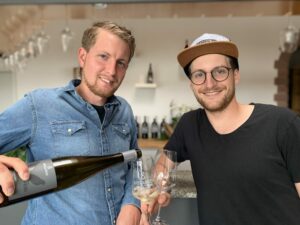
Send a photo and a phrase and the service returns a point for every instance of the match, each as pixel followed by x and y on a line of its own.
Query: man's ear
pixel 81 56
pixel 236 75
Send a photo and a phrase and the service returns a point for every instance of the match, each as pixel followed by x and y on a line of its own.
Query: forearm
pixel 298 188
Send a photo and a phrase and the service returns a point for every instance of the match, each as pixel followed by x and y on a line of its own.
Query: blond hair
pixel 90 35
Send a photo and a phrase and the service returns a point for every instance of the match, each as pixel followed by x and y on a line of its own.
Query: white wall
pixel 7 89
pixel 158 42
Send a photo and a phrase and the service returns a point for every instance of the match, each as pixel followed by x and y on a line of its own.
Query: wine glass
pixel 165 178
pixel 144 185
pixel 66 37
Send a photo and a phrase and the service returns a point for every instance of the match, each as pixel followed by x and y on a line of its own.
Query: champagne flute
pixel 165 178
pixel 144 185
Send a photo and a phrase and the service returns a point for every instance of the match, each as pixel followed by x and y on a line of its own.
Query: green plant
pixel 19 152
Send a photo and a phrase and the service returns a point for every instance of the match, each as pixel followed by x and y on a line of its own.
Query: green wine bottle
pixel 52 175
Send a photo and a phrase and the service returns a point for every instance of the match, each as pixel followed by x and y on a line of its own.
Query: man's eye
pixel 198 74
pixel 103 56
pixel 221 71
pixel 122 65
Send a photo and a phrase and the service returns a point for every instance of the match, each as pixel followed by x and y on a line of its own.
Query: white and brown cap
pixel 207 44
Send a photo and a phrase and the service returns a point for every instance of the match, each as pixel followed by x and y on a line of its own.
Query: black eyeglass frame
pixel 212 74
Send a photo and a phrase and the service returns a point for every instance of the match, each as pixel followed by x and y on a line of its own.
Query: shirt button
pixel 69 130
pixel 114 221
pixel 109 189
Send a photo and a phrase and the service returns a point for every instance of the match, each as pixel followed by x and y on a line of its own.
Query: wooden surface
pixel 151 143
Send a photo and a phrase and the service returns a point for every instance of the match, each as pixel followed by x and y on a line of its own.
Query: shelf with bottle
pixel 146 85
pixel 149 82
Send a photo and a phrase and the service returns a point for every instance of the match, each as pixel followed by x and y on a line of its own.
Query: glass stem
pixel 157 219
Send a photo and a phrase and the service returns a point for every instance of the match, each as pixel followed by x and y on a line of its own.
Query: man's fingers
pixel 144 208
pixel 6 178
pixel 164 199
pixel 16 164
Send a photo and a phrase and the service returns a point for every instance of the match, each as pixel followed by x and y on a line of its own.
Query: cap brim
pixel 221 47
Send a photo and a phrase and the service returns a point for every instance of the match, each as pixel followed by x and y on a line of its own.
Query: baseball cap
pixel 207 44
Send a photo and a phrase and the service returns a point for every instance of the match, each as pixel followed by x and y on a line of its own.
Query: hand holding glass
pixel 165 177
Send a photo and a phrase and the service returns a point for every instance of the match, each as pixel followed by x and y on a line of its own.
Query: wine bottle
pixel 52 175
pixel 137 124
pixel 154 129
pixel 163 134
pixel 150 75
pixel 145 128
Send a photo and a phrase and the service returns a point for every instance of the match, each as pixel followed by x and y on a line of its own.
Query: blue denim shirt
pixel 58 122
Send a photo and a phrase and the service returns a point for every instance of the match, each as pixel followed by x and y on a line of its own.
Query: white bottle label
pixel 42 178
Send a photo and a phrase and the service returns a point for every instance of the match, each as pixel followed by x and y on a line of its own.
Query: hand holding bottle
pixel 6 178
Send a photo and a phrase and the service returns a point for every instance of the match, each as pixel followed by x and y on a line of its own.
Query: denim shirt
pixel 58 122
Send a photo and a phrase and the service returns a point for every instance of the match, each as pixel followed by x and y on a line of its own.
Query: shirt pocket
pixel 70 138
pixel 122 137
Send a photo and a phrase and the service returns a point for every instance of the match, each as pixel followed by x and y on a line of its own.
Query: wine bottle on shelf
pixel 186 44
pixel 52 175
pixel 150 79
pixel 145 128
pixel 137 124
pixel 154 129
pixel 162 131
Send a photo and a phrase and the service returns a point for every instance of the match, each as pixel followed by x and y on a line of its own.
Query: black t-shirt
pixel 100 110
pixel 245 177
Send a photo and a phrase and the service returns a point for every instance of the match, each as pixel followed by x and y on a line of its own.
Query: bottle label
pixel 154 129
pixel 129 155
pixel 42 178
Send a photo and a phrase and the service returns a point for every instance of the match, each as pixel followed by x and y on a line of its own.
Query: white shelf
pixel 145 85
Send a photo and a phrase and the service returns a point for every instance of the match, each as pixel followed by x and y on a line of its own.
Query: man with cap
pixel 245 158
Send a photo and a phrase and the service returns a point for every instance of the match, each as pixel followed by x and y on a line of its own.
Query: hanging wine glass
pixel 66 37
pixel 32 47
pixel 6 61
pixel 289 38
pixel 66 34
pixel 42 40
pixel 11 60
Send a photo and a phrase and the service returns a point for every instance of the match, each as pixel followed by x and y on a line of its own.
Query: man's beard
pixel 222 104
pixel 104 93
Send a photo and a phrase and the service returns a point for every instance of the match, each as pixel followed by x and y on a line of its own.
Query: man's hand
pixel 6 179
pixel 149 209
pixel 129 215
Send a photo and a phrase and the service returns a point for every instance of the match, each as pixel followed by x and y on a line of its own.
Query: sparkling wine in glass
pixel 144 185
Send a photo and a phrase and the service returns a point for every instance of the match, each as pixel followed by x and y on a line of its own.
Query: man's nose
pixel 210 81
pixel 110 67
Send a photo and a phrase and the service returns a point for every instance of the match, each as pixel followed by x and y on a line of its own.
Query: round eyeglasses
pixel 219 73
